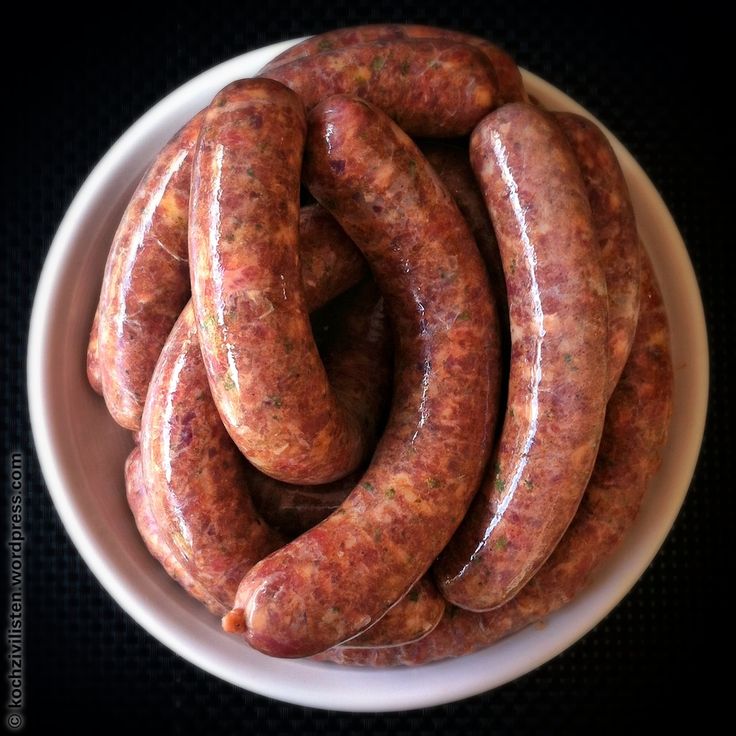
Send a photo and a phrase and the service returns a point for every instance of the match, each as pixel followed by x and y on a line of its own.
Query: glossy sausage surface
pixel 341 576
pixel 195 475
pixel 146 282
pixel 557 381
pixel 430 87
pixel 510 85
pixel 637 421
pixel 156 541
pixel 265 372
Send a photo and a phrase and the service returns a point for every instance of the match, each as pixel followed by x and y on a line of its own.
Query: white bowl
pixel 82 451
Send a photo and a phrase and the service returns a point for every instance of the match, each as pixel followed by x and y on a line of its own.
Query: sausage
pixel 146 282
pixel 194 473
pixel 157 542
pixel 338 578
pixel 264 369
pixel 557 382
pixel 637 421
pixel 197 480
pixel 430 87
pixel 613 217
pixel 510 85
pixel 93 359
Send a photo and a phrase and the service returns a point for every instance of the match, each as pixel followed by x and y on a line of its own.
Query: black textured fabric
pixel 654 83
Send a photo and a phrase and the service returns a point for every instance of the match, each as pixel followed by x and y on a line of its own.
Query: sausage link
pixel 430 87
pixel 264 369
pixel 194 474
pixel 510 85
pixel 341 576
pixel 613 217
pixel 146 282
pixel 557 382
pixel 93 355
pixel 201 524
pixel 156 541
pixel 637 421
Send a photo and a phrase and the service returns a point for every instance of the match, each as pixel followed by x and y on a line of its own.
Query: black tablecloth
pixel 654 83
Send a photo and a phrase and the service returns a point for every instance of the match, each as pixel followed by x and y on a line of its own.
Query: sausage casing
pixel 613 217
pixel 146 282
pixel 430 87
pixel 341 576
pixel 510 85
pixel 637 421
pixel 265 372
pixel 557 381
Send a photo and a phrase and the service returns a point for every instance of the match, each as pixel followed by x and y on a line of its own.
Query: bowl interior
pixel 82 450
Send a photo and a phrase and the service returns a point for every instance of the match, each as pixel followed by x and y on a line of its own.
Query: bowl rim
pixel 671 257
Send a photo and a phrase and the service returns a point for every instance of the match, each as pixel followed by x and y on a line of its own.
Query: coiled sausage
pixel 339 577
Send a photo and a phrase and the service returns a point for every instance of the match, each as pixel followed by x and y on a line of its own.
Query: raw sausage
pixel 341 576
pixel 557 382
pixel 194 474
pixel 201 514
pixel 430 87
pixel 264 370
pixel 613 217
pixel 146 282
pixel 510 85
pixel 637 420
